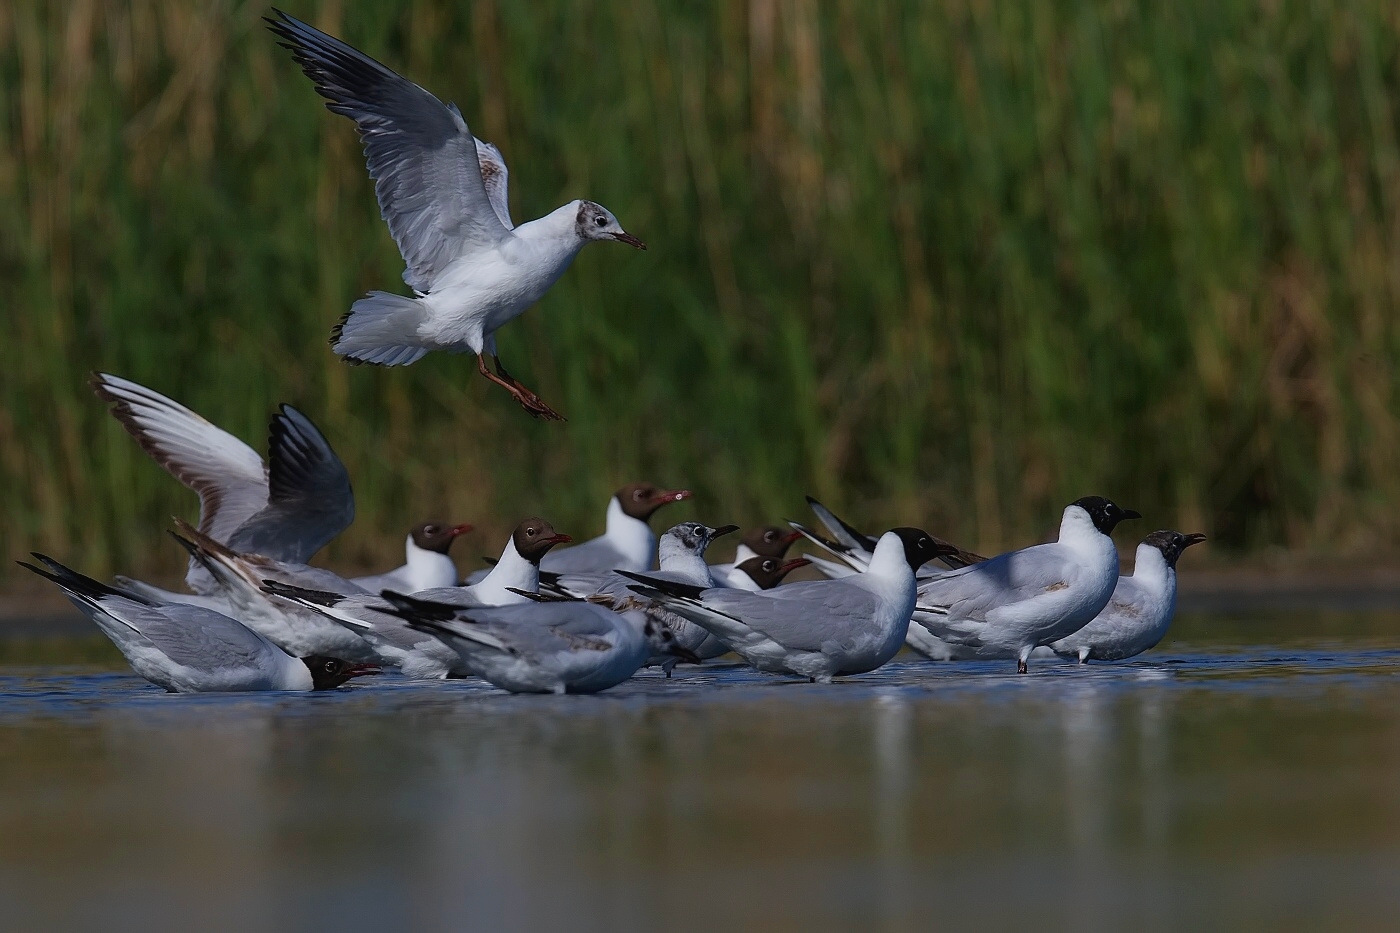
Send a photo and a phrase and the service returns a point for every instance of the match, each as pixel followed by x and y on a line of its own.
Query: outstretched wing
pixel 226 474
pixel 420 153
pixel 309 496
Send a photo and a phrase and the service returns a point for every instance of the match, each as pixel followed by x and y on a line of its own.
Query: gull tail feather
pixel 380 328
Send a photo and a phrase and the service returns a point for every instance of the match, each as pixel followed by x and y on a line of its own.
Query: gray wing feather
pixel 801 616
pixel 420 153
pixel 200 638
pixel 979 589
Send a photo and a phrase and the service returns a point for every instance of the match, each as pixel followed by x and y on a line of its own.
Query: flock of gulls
pixel 549 615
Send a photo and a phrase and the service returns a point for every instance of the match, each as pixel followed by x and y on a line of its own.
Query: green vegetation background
pixel 951 263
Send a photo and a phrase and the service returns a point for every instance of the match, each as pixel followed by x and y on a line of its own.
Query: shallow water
pixel 1246 773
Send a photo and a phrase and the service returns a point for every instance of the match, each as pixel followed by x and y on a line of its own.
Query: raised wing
pixel 496 178
pixel 421 155
pixel 309 496
pixel 226 474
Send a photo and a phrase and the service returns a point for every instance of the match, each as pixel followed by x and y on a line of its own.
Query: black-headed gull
pixel 287 508
pixel 420 655
pixel 1141 607
pixel 551 647
pixel 443 194
pixel 1020 600
pixel 818 629
pixel 427 563
pixel 189 649
pixel 762 541
pixel 627 541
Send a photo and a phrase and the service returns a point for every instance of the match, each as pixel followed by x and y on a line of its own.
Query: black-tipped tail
pixel 288 591
pixel 77 583
pixel 664 587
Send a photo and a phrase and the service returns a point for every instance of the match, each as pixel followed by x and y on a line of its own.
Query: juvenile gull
pixel 443 194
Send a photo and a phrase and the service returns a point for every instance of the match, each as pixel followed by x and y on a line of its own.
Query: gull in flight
pixel 442 192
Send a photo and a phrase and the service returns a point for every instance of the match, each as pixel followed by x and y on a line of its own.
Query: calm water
pixel 1247 773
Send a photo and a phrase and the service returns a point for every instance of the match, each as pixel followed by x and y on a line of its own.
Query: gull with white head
pixel 442 192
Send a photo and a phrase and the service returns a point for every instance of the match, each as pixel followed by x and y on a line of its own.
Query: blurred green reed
pixel 949 263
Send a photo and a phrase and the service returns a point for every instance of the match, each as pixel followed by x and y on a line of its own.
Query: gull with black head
pixel 1014 602
pixel 418 653
pixel 190 649
pixel 427 563
pixel 1140 610
pixel 759 542
pixel 443 194
pixel 627 542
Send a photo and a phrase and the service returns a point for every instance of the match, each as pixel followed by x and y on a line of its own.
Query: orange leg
pixel 527 399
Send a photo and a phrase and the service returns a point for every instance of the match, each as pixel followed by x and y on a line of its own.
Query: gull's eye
pixel 769 566
pixel 601 221
pixel 637 494
pixel 331 667
pixel 430 530
pixel 529 532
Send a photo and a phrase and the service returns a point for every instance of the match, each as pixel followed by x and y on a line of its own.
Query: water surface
pixel 1246 773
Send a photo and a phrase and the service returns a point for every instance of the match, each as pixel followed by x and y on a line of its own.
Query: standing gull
pixel 1141 607
pixel 1017 601
pixel 443 194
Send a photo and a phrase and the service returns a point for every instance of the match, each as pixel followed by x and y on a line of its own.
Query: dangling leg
pixel 527 399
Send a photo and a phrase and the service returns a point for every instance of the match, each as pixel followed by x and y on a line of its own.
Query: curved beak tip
pixel 674 495
pixel 630 240
pixel 461 530
pixel 723 530
pixel 561 539
pixel 1130 513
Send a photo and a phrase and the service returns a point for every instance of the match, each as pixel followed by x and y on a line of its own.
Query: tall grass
pixel 953 263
